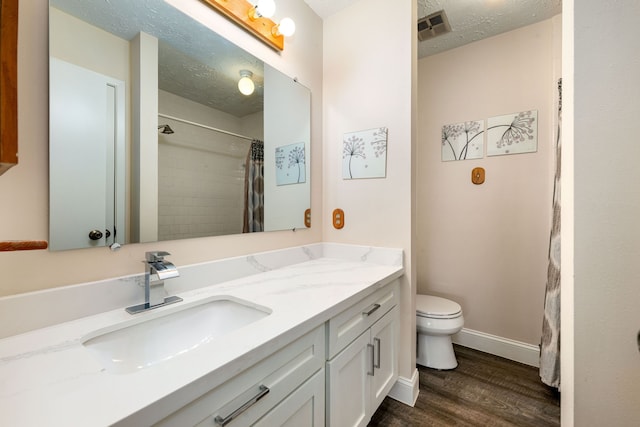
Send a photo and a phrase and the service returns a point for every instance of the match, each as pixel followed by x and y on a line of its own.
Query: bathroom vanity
pixel 308 336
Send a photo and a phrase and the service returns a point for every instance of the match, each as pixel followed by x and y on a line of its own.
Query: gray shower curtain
pixel 254 189
pixel 550 344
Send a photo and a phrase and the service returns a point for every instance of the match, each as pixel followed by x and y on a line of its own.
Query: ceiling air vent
pixel 433 25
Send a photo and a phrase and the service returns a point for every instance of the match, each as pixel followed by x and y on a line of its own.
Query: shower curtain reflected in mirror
pixel 254 189
pixel 550 344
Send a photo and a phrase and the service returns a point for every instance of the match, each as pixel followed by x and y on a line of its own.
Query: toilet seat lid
pixel 430 306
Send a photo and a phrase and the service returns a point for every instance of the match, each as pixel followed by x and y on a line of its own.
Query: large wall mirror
pixel 150 137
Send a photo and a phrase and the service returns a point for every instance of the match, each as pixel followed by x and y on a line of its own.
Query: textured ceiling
pixel 212 64
pixel 470 20
pixel 194 62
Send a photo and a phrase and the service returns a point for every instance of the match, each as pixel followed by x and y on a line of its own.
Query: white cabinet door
pixel 384 335
pixel 302 408
pixel 360 377
pixel 348 402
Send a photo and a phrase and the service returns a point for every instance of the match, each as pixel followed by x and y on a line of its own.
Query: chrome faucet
pixel 157 270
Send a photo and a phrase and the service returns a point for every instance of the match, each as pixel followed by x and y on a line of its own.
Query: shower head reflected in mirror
pixel 165 129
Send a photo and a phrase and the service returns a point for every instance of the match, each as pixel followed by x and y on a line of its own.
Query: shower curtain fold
pixel 550 343
pixel 254 189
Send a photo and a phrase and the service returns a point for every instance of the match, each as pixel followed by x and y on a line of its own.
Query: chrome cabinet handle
pixel 376 343
pixel 224 420
pixel 369 310
pixel 372 372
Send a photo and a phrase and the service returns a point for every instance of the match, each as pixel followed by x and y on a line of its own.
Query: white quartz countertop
pixel 47 377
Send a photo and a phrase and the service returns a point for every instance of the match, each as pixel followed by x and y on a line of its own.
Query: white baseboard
pixel 509 349
pixel 405 390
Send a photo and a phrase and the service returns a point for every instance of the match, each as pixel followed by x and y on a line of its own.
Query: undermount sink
pixel 165 336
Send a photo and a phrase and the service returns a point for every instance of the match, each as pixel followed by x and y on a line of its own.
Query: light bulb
pixel 265 8
pixel 245 84
pixel 286 27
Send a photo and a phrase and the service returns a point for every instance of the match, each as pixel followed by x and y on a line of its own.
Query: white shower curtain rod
pixel 226 132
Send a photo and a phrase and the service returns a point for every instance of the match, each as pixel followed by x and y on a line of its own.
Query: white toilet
pixel 436 320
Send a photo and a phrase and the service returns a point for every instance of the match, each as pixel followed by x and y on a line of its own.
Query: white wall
pixel 200 192
pixel 606 203
pixel 82 44
pixel 144 146
pixel 369 75
pixel 24 188
pixel 567 352
pixel 200 172
pixel 485 246
pixel 253 125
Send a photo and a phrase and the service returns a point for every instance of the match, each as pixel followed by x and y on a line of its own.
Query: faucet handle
pixel 155 256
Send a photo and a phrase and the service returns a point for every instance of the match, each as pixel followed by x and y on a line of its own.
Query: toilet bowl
pixel 437 319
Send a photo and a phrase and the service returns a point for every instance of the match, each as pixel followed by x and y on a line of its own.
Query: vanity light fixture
pixel 255 18
pixel 262 9
pixel 286 27
pixel 245 84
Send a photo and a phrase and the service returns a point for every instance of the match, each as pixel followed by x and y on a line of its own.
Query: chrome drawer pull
pixel 372 372
pixel 223 421
pixel 371 309
pixel 376 343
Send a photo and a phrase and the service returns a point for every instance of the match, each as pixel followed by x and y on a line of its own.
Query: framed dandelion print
pixel 364 154
pixel 463 141
pixel 290 164
pixel 513 133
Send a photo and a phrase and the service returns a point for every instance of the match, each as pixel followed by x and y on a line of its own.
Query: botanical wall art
pixel 462 141
pixel 513 133
pixel 290 164
pixel 364 154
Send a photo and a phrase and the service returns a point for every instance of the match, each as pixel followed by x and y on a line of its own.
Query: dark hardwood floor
pixel 484 390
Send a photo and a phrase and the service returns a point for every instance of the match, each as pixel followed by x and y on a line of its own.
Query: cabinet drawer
pixel 280 373
pixel 302 408
pixel 348 325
